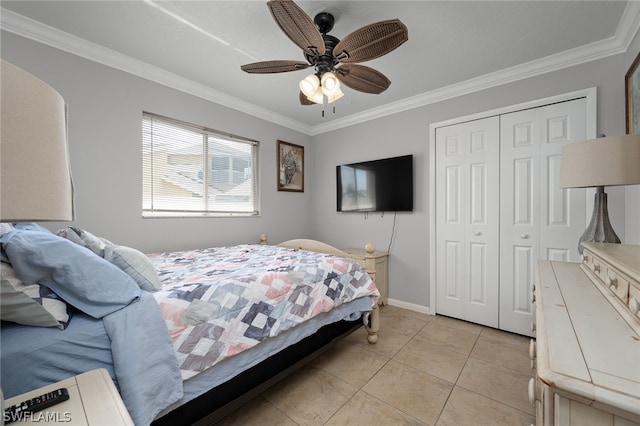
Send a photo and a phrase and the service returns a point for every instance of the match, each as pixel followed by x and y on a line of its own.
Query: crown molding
pixel 619 43
pixel 49 36
pixel 36 31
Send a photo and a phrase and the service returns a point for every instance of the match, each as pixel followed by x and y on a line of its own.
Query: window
pixel 194 171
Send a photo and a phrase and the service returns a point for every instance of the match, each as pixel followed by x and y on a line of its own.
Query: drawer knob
pixel 634 305
pixel 532 391
pixel 533 326
pixel 596 267
pixel 532 349
pixel 612 283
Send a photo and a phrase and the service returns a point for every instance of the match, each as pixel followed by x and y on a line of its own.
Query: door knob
pixel 524 236
pixel 477 233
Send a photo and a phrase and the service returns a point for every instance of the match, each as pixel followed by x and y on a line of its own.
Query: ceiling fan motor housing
pixel 324 21
pixel 326 62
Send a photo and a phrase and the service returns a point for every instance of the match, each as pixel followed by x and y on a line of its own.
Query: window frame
pixel 208 135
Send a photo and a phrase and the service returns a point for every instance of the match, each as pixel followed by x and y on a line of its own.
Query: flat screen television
pixel 376 186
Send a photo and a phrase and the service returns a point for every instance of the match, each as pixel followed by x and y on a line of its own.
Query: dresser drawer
pixel 618 284
pixel 634 300
pixel 596 265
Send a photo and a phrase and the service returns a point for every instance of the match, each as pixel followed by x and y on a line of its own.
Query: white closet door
pixel 539 220
pixel 467 196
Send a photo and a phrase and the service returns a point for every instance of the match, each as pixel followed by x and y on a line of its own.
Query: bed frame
pixel 222 400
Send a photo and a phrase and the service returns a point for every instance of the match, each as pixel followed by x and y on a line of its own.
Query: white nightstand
pixel 376 263
pixel 93 400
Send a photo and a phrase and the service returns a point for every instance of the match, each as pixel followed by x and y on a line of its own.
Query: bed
pixel 213 327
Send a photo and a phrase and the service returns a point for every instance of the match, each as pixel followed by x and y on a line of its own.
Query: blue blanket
pixel 131 343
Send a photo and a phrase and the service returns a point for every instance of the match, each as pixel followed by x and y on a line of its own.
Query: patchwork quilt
pixel 218 302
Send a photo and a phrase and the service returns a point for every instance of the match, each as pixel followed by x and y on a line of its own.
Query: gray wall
pixel 408 133
pixel 105 107
pixel 105 133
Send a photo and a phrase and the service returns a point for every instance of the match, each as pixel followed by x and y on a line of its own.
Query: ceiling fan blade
pixel 304 100
pixel 269 67
pixel 371 41
pixel 362 79
pixel 298 26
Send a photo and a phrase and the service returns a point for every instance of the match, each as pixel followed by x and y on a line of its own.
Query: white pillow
pixel 136 264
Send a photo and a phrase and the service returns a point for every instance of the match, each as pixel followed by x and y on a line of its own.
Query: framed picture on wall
pixel 632 97
pixel 290 167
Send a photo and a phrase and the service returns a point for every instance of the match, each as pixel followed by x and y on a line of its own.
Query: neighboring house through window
pixel 189 170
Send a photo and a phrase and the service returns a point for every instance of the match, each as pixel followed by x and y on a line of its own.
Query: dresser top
pixel 625 257
pixel 585 347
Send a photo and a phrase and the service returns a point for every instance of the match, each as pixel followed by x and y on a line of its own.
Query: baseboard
pixel 410 306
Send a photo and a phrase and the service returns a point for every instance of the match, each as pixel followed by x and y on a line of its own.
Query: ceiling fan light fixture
pixel 309 85
pixel 330 83
pixel 317 96
pixel 335 96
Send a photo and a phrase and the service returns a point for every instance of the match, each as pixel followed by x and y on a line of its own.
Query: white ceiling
pixel 454 47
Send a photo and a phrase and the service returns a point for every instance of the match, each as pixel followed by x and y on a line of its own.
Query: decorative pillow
pixel 134 263
pixel 30 304
pixel 84 280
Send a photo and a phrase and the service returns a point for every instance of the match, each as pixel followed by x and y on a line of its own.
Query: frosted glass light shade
pixel 330 83
pixel 309 85
pixel 608 161
pixel 35 177
pixel 335 96
pixel 317 96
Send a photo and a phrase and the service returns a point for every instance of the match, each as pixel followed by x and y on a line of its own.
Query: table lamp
pixel 35 178
pixel 606 161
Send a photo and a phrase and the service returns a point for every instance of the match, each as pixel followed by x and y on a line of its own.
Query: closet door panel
pixel 563 211
pixel 467 221
pixel 540 220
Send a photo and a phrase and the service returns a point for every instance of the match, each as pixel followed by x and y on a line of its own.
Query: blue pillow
pixel 31 226
pixel 82 279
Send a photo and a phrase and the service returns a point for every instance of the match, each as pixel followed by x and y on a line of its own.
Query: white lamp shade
pixel 613 160
pixel 35 178
pixel 330 83
pixel 335 96
pixel 309 85
pixel 317 96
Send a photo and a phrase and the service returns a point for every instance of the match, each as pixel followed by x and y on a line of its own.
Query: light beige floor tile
pixel 497 383
pixel 362 364
pixel 448 337
pixel 388 344
pixel 258 412
pixel 469 408
pixel 459 324
pixel 364 409
pixel 432 359
pixel 310 396
pixel 497 351
pixel 409 390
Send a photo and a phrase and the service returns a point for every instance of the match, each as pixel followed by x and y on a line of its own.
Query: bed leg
pixel 374 325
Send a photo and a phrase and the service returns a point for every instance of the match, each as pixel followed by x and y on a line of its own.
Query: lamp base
pixel 599 229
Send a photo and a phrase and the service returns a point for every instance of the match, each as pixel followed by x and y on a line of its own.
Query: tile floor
pixel 424 370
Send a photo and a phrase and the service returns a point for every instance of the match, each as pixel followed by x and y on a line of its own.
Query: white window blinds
pixel 194 171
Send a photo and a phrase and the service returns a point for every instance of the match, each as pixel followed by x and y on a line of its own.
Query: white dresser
pixel 587 347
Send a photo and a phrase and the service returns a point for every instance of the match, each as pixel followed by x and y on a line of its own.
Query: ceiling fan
pixel 335 61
